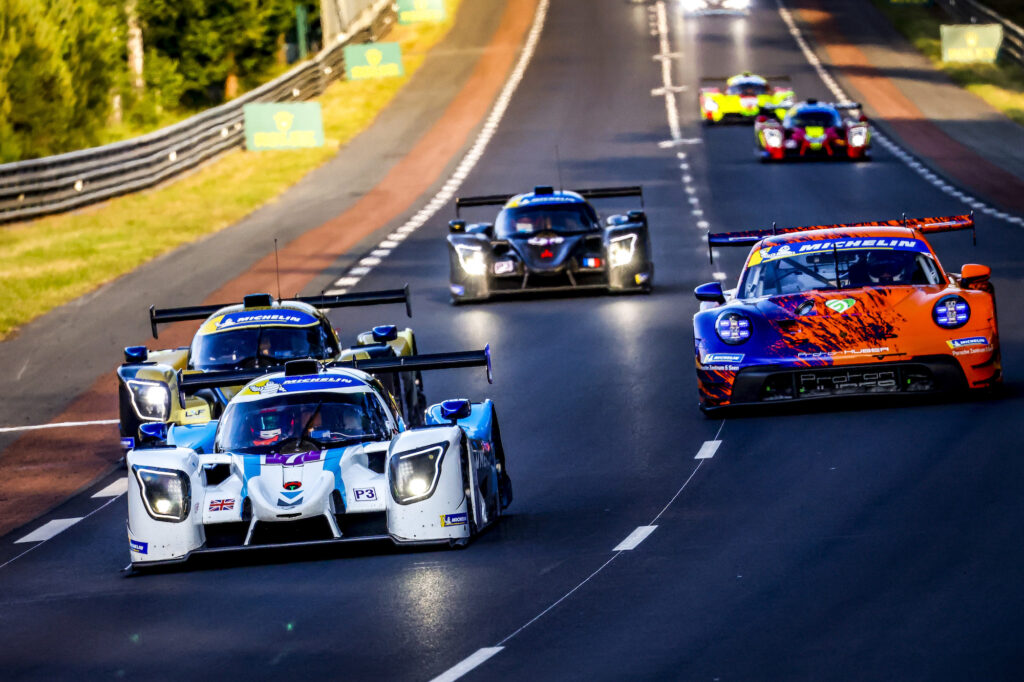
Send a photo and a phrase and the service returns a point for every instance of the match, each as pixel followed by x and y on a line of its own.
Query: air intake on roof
pixel 258 301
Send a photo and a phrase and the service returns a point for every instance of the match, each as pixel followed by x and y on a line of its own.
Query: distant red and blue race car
pixel 814 129
pixel 842 310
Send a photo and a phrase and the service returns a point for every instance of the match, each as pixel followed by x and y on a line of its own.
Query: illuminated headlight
pixel 858 137
pixel 733 328
pixel 414 474
pixel 710 104
pixel 471 258
pixel 166 493
pixel 773 137
pixel 621 250
pixel 951 312
pixel 692 5
pixel 736 4
pixel 151 399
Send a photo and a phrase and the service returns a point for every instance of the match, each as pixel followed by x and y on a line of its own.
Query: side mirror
pixel 456 409
pixel 712 291
pixel 456 225
pixel 972 273
pixel 135 354
pixel 153 434
pixel 384 333
pixel 484 228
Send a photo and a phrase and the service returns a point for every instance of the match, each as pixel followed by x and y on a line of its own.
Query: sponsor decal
pixel 127 443
pixel 416 11
pixel 293 485
pixel 294 459
pixel 841 305
pixel 283 125
pixel 504 267
pixel 296 384
pixel 222 505
pixel 365 494
pixel 460 519
pixel 728 358
pixel 547 253
pixel 543 199
pixel 138 547
pixel 544 241
pixel 457 289
pixel 591 262
pixel 825 245
pixel 268 318
pixel 816 355
pixel 969 341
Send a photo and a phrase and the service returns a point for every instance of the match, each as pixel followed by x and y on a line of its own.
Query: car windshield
pixel 300 422
pixel 747 88
pixel 259 347
pixel 554 218
pixel 858 268
pixel 823 119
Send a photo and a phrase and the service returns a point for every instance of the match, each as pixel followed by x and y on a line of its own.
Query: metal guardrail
pixel 971 12
pixel 55 184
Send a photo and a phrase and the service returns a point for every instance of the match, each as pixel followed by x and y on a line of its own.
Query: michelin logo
pixel 723 358
pixel 246 319
pixel 970 341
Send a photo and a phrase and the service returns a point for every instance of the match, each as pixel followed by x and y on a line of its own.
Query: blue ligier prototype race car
pixel 838 310
pixel 316 454
pixel 549 240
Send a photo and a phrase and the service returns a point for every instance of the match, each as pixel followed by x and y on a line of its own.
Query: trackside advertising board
pixel 373 60
pixel 420 11
pixel 283 125
pixel 971 42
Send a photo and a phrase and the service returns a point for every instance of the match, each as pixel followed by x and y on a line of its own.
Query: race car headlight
pixel 733 328
pixel 772 137
pixel 621 250
pixel 166 493
pixel 151 399
pixel 736 4
pixel 471 258
pixel 414 474
pixel 951 312
pixel 710 104
pixel 858 137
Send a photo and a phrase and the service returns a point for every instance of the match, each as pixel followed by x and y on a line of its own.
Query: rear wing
pixel 158 316
pixel 191 383
pixel 923 225
pixel 588 194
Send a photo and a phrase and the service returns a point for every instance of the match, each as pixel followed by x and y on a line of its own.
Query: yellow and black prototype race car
pixel 258 333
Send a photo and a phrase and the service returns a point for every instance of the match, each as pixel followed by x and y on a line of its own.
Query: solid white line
pixel 634 538
pixel 708 450
pixel 58 425
pixel 118 487
pixel 467 664
pixel 49 529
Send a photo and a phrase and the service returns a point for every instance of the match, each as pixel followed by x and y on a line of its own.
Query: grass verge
pixel 1001 84
pixel 51 261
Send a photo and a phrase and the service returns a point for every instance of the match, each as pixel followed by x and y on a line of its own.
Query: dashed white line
pixel 710 447
pixel 634 539
pixel 58 425
pixel 39 544
pixel 720 276
pixel 49 529
pixel 118 487
pixel 473 155
pixel 467 664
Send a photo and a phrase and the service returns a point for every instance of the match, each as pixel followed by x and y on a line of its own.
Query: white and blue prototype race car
pixel 316 454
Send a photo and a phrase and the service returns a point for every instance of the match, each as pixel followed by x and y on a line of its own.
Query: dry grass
pixel 54 260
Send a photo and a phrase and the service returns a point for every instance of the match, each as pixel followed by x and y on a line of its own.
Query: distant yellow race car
pixel 742 98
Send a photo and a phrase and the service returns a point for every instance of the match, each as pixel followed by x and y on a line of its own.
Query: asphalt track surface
pixel 854 541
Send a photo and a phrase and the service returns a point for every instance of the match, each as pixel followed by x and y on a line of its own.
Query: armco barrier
pixel 54 184
pixel 971 12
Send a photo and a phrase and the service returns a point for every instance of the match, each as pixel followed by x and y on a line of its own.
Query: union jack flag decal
pixel 222 505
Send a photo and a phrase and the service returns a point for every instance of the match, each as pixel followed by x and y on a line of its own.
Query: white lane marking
pixel 58 425
pixel 476 151
pixel 49 529
pixel 40 544
pixel 115 489
pixel 720 276
pixel 634 538
pixel 710 447
pixel 903 155
pixel 467 664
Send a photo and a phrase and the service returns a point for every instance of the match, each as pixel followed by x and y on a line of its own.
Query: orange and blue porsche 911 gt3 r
pixel 842 310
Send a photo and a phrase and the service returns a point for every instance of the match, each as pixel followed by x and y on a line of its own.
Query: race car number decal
pixel 365 494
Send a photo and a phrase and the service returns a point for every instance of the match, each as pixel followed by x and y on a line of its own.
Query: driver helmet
pixel 271 426
pixel 886 267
